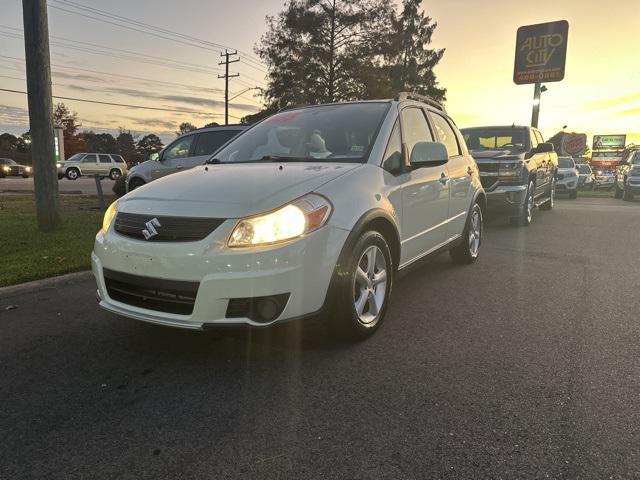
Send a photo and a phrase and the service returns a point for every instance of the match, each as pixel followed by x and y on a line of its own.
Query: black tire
pixel 525 218
pixel 551 202
pixel 618 192
pixel 573 194
pixel 467 252
pixel 60 177
pixel 72 173
pixel 135 183
pixel 25 176
pixel 344 321
pixel 628 196
pixel 115 174
pixel 120 186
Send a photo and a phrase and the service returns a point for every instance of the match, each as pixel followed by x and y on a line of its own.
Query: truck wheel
pixel 619 192
pixel 73 174
pixel 628 196
pixel 549 204
pixel 527 212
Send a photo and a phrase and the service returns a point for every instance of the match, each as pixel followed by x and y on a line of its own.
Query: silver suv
pixel 103 164
pixel 187 151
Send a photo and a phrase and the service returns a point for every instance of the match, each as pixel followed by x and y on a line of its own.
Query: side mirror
pixel 154 156
pixel 545 148
pixel 428 154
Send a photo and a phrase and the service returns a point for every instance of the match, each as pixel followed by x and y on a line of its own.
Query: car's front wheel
pixel 469 249
pixel 362 287
pixel 527 212
pixel 627 196
pixel 114 174
pixel 618 191
pixel 73 174
pixel 135 183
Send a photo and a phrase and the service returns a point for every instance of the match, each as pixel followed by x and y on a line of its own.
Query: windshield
pixel 331 133
pixel 584 169
pixel 7 161
pixel 500 138
pixel 564 162
pixel 75 158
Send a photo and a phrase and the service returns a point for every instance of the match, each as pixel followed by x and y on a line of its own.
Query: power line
pixel 125 105
pixel 192 41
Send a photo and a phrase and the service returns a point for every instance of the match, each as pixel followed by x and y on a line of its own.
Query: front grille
pixel 489 167
pixel 171 229
pixel 168 296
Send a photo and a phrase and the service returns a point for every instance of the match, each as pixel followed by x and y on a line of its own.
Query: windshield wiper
pixel 213 161
pixel 284 158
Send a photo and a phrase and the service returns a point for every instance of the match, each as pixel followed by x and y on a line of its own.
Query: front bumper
pixel 566 184
pixel 302 268
pixel 507 199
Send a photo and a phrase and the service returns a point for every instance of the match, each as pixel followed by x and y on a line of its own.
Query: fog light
pixel 267 309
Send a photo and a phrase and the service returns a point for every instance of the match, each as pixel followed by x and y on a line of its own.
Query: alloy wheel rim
pixel 370 285
pixel 475 233
pixel 553 193
pixel 530 203
pixel 73 174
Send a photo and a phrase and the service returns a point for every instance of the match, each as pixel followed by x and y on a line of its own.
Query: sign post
pixel 541 53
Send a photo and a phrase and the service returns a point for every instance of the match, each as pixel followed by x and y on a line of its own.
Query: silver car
pixel 567 177
pixel 103 164
pixel 187 151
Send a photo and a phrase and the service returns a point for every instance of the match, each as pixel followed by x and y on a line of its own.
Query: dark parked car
pixel 517 168
pixel 627 183
pixel 9 168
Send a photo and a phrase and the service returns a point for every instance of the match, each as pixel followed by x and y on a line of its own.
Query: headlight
pixel 28 169
pixel 510 170
pixel 109 215
pixel 6 169
pixel 58 165
pixel 293 220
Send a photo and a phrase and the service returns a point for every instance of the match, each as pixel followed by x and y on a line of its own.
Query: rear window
pixel 209 142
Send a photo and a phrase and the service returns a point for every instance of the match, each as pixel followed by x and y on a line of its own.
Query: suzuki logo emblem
pixel 151 231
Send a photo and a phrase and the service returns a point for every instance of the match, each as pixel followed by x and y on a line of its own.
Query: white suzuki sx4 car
pixel 313 210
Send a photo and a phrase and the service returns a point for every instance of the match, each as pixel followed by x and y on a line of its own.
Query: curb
pixel 47 283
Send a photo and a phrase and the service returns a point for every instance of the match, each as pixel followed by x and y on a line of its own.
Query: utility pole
pixel 36 49
pixel 226 77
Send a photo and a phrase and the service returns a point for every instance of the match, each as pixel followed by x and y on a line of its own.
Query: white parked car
pixel 103 164
pixel 311 210
pixel 567 177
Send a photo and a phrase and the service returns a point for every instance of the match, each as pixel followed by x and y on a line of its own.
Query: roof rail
pixel 420 98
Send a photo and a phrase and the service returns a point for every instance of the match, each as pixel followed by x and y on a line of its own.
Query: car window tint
pixel 393 154
pixel 445 134
pixel 89 159
pixel 209 142
pixel 104 158
pixel 415 128
pixel 178 149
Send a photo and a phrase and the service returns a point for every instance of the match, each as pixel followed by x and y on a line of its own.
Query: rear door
pixel 460 173
pixel 207 143
pixel 425 193
pixel 174 157
pixel 89 165
pixel 104 164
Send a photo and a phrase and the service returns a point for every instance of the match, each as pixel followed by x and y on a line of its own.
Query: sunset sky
pixel 599 95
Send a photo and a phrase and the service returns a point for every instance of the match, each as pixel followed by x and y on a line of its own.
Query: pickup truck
pixel 627 179
pixel 517 169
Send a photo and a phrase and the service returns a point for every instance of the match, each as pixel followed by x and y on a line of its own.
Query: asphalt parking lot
pixel 524 365
pixel 83 185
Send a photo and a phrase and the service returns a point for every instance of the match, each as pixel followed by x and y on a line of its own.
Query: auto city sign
pixel 541 52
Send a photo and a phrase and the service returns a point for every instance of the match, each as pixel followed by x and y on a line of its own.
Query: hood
pixel 496 155
pixel 231 191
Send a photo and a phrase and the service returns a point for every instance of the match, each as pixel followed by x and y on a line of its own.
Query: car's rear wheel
pixel 627 196
pixel 135 183
pixel 619 192
pixel 73 173
pixel 469 249
pixel 114 174
pixel 527 212
pixel 26 175
pixel 361 289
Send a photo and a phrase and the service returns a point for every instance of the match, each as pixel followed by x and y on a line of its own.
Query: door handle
pixel 444 179
pixel 179 166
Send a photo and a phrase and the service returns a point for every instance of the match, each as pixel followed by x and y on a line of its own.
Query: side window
pixel 178 149
pixel 534 139
pixel 445 134
pixel 539 136
pixel 393 155
pixel 117 158
pixel 415 128
pixel 104 158
pixel 89 159
pixel 209 142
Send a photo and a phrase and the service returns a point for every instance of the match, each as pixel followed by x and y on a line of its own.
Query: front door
pixel 425 193
pixel 89 164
